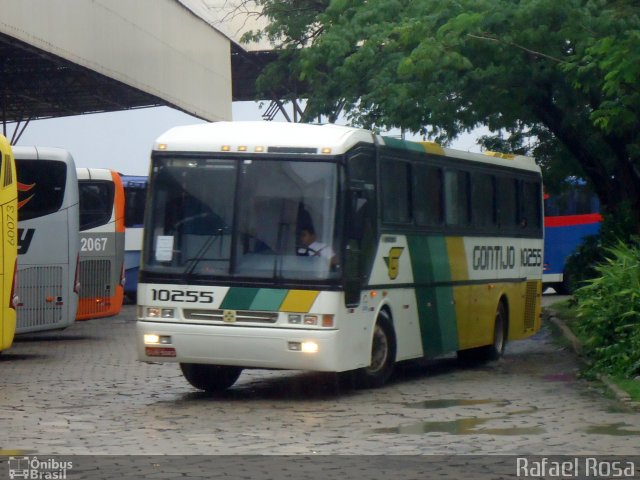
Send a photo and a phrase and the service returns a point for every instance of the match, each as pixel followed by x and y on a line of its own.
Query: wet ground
pixel 81 391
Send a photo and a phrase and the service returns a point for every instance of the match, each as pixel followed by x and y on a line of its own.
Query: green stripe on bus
pixel 397 143
pixel 436 309
pixel 269 299
pixel 239 298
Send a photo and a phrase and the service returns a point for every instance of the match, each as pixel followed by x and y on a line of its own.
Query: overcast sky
pixel 122 141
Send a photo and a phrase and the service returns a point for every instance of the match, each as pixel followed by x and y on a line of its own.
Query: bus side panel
pixel 9 253
pixel 561 241
pixel 437 302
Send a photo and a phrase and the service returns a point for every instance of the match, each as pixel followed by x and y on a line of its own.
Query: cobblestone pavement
pixel 82 391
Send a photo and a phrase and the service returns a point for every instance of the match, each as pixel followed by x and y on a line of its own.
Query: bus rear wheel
pixel 494 351
pixel 383 355
pixel 210 378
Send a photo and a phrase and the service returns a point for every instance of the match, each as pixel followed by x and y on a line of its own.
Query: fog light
pixel 309 347
pixel 295 346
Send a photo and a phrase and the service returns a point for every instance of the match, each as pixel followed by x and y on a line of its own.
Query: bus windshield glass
pixel 245 218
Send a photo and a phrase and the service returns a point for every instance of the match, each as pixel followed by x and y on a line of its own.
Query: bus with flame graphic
pixel 48 239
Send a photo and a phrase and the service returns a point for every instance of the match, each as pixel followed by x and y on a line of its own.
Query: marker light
pixel 242 148
pixel 225 148
pixel 259 149
pixel 326 150
pixel 162 146
pixel 327 320
pixel 309 347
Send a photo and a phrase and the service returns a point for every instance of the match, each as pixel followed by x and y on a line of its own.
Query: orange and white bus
pixel 101 243
pixel 8 243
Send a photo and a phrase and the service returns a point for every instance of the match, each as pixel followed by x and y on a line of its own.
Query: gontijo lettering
pixel 494 257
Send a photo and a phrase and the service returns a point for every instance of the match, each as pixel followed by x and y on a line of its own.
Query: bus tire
pixel 383 355
pixel 496 349
pixel 210 378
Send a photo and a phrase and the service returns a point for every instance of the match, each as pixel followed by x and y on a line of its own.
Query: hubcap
pixel 379 351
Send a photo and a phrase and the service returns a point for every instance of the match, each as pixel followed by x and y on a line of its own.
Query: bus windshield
pixel 244 218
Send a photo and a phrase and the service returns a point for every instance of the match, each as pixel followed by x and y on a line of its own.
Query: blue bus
pixel 135 192
pixel 569 217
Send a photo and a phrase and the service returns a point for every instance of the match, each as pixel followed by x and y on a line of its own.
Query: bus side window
pixel 507 203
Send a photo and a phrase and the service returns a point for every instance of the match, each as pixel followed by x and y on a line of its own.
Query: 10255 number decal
pixel 184 296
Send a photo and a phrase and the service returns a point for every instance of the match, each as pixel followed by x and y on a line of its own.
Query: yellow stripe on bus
pixel 299 300
pixel 457 259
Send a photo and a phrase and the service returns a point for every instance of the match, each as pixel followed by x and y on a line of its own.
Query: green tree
pixel 558 80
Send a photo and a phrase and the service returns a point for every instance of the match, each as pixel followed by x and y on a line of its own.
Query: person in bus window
pixel 310 247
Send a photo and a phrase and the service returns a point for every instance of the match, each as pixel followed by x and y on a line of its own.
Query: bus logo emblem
pixel 229 316
pixel 393 261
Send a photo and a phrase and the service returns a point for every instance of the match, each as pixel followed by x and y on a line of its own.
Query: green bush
pixel 609 312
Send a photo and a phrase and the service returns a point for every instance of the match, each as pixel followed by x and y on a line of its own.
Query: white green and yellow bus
pixel 8 243
pixel 328 248
pixel 101 268
pixel 48 239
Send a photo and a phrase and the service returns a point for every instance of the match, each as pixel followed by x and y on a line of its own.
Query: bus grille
pixel 41 300
pixel 95 277
pixel 530 302
pixel 241 316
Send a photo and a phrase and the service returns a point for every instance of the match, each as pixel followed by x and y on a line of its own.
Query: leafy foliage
pixel 609 312
pixel 555 79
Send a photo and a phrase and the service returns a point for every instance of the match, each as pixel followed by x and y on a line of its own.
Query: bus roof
pixel 269 137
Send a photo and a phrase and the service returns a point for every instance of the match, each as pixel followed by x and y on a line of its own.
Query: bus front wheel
pixel 383 355
pixel 210 378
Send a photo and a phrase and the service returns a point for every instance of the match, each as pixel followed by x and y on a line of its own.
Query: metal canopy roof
pixel 37 84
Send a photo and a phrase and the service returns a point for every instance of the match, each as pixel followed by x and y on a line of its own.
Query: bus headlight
pixel 157 312
pixel 153 339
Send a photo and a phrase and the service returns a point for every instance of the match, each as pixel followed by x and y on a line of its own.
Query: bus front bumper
pixel 251 347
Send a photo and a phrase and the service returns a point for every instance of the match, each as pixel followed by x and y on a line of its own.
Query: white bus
pixel 101 243
pixel 328 248
pixel 48 239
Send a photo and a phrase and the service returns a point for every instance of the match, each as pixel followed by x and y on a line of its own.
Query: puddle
pixel 616 429
pixel 453 402
pixel 462 426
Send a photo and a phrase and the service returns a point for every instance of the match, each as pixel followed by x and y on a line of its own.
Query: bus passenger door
pixel 360 223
